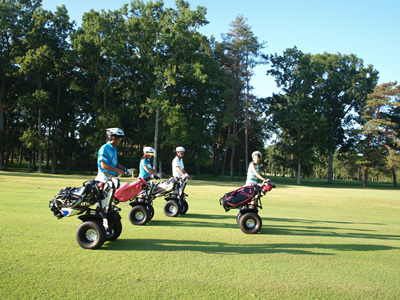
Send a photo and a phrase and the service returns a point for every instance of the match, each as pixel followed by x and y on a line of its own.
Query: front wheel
pixel 114 228
pixel 171 208
pixel 150 208
pixel 185 207
pixel 91 235
pixel 139 215
pixel 250 223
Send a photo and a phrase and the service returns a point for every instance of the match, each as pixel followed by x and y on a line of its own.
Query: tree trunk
pixel 156 138
pixel 232 175
pixel 223 164
pixel 246 138
pixel 40 151
pixel 299 157
pixel 291 166
pixel 29 161
pixel 2 121
pixel 6 158
pixel 54 149
pixel 330 168
pixel 298 171
pixel 67 165
pixel 217 153
pixel 240 171
pixel 225 154
pixel 34 160
pixel 394 177
pixel 48 152
pixel 365 179
pixel 284 167
pixel 55 135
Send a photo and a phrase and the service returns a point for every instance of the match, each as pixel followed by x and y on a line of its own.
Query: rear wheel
pixel 171 208
pixel 250 223
pixel 185 207
pixel 91 235
pixel 238 217
pixel 139 215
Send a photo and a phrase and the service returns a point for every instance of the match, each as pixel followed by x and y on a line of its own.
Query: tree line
pixel 148 70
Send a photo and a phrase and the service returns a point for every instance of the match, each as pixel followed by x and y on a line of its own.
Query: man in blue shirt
pixel 107 159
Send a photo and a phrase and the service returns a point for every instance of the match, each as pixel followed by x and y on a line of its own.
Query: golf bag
pixel 129 190
pixel 238 197
pixel 164 187
pixel 74 200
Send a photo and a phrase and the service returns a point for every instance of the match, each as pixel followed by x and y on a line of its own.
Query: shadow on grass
pixel 186 223
pixel 46 175
pixel 329 232
pixel 325 231
pixel 318 221
pixel 165 245
pixel 298 227
pixel 200 220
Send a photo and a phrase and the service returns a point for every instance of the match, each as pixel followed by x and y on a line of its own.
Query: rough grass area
pixel 317 242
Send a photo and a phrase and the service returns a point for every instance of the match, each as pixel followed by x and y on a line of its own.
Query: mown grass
pixel 317 242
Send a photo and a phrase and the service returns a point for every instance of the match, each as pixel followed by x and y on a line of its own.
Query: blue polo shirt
pixel 142 171
pixel 107 154
pixel 251 177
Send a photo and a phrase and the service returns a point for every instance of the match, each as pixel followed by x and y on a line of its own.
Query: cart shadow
pixel 296 227
pixel 190 223
pixel 328 232
pixel 168 245
pixel 290 227
pixel 318 221
pixel 197 220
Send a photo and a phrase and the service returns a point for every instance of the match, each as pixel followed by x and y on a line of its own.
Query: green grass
pixel 318 241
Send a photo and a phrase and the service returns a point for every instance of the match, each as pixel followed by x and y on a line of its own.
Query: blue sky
pixel 369 29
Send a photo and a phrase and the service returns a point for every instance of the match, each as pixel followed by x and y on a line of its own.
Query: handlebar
pixel 127 171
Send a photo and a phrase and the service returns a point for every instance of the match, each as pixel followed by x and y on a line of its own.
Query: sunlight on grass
pixel 316 243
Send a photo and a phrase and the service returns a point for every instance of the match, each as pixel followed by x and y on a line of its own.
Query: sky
pixel 369 29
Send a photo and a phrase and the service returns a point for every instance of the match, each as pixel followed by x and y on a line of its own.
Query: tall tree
pixel 241 50
pixel 344 86
pixel 381 115
pixel 15 22
pixel 297 112
pixel 60 30
pixel 37 64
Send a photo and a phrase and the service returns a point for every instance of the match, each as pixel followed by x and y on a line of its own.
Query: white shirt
pixel 177 162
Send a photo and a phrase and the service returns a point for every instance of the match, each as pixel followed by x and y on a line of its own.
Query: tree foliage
pixel 147 69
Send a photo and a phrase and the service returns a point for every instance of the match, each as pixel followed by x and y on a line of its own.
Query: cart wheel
pixel 185 207
pixel 91 235
pixel 150 208
pixel 139 215
pixel 239 215
pixel 171 208
pixel 250 223
pixel 114 228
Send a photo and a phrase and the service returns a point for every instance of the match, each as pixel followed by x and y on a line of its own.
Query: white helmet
pixel 115 132
pixel 258 153
pixel 149 151
pixel 180 149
